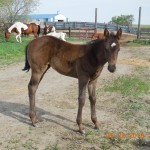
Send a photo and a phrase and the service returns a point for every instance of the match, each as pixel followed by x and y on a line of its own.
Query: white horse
pixel 18 26
pixel 59 35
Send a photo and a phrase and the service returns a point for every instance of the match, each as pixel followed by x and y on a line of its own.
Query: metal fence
pixel 145 33
pixel 91 25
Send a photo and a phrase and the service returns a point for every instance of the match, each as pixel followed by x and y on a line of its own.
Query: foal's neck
pixel 98 54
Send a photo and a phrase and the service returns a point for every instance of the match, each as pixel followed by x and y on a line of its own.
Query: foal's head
pixel 112 48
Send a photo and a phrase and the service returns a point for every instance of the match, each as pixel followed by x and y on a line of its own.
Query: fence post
pixel 64 25
pixel 105 25
pixel 69 32
pixel 74 25
pixel 139 22
pixel 117 27
pixel 95 20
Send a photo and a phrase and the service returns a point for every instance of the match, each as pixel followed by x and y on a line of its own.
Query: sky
pixel 84 10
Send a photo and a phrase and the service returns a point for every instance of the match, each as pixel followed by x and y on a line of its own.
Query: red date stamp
pixel 130 135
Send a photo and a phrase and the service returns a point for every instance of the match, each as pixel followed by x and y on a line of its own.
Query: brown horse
pixel 32 28
pixel 82 61
pixel 98 36
pixel 47 29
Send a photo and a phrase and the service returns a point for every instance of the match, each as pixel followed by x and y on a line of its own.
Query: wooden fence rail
pixel 145 33
pixel 87 28
pixel 91 25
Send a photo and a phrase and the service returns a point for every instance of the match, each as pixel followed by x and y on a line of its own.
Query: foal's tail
pixel 27 66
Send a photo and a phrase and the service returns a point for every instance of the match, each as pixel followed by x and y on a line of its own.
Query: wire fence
pixel 91 25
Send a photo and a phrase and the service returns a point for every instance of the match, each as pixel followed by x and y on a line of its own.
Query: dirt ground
pixel 56 102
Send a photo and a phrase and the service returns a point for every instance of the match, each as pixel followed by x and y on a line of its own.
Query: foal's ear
pixel 106 33
pixel 119 34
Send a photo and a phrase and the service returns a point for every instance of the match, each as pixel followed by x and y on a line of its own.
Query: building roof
pixel 42 16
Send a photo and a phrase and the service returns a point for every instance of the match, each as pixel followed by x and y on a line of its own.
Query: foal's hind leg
pixel 81 100
pixel 36 77
pixel 92 98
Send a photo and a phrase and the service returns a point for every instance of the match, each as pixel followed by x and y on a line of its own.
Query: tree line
pixel 124 20
pixel 12 10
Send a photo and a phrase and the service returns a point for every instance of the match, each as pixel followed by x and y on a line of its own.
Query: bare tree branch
pixel 11 10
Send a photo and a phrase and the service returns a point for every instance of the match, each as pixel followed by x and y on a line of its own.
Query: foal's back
pixel 60 55
pixel 57 48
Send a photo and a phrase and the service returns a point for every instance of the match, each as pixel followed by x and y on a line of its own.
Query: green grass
pixel 135 105
pixel 141 41
pixel 142 26
pixel 29 145
pixel 12 51
pixel 130 108
pixel 145 26
pixel 55 147
pixel 128 114
pixel 129 86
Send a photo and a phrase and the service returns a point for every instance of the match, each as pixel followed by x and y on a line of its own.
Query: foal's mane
pixel 94 41
pixel 95 44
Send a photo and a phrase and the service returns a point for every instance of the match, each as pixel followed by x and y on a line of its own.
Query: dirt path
pixel 56 102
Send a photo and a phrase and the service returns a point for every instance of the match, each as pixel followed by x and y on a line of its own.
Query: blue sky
pixel 84 10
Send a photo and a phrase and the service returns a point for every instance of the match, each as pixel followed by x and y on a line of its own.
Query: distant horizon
pixel 85 10
pixel 77 20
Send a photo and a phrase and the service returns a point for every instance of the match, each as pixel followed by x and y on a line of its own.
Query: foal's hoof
pixel 96 128
pixel 35 125
pixel 82 131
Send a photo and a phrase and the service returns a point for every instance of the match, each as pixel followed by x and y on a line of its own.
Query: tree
pixel 125 20
pixel 12 10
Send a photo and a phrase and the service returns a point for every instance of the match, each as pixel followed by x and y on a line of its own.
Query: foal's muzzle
pixel 112 68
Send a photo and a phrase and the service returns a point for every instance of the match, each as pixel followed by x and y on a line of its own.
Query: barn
pixel 48 18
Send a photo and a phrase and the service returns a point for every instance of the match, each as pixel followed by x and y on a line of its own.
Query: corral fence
pixel 91 25
pixel 145 33
pixel 86 29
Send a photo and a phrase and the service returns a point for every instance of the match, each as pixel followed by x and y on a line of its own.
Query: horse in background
pixel 20 28
pixel 32 28
pixel 59 35
pixel 48 29
pixel 17 28
pixel 98 36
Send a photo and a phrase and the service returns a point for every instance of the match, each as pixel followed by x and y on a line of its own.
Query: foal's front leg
pixel 92 98
pixel 81 101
